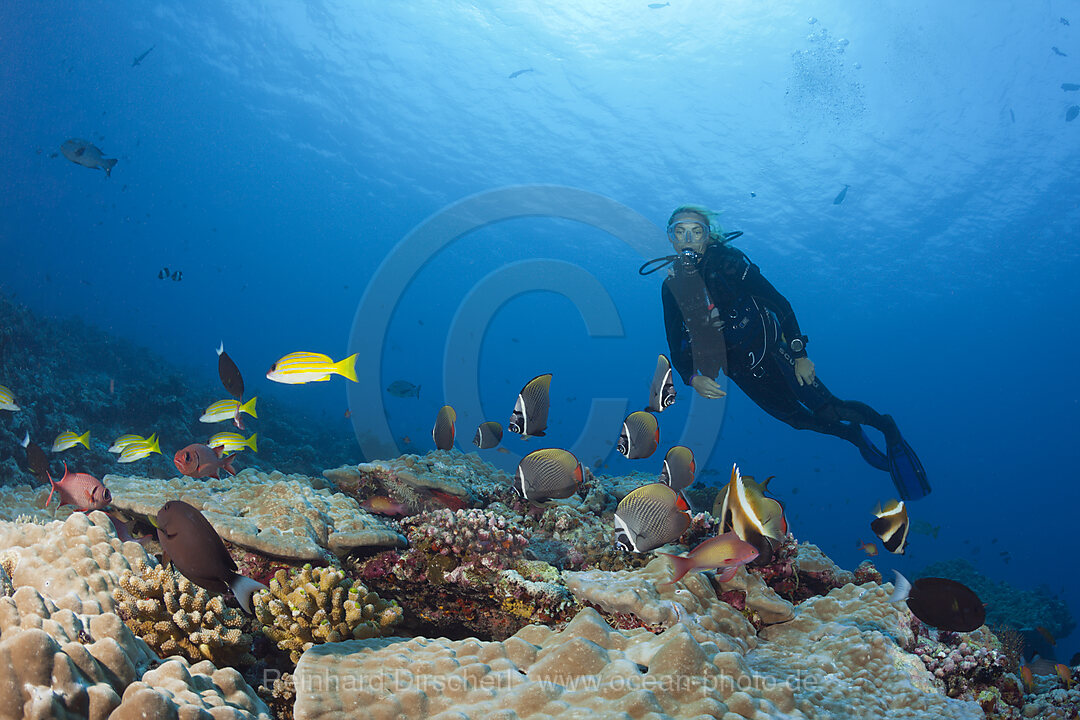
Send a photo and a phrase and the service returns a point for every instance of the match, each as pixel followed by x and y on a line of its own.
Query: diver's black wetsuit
pixel 739 323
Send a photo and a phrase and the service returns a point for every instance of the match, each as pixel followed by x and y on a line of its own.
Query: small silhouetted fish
pixel 1071 113
pixel 443 432
pixel 229 374
pixel 840 198
pixel 83 152
pixel 488 435
pixel 142 57
pixel 1012 115
pixel 1063 21
pixel 54 154
pixel 1070 87
pixel 1058 52
pixel 753 194
pixel 163 273
pixel 941 602
pixel 517 73
pixel 657 6
pixel 403 389
pixel 178 275
pixel 197 552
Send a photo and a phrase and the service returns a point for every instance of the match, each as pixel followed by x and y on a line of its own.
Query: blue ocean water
pixel 281 155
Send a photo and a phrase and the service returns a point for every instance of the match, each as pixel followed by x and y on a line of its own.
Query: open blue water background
pixel 276 152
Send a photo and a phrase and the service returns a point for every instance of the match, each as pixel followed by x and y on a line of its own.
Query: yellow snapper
pixel 66 440
pixel 139 450
pixel 124 440
pixel 7 400
pixel 226 410
pixel 304 367
pixel 231 442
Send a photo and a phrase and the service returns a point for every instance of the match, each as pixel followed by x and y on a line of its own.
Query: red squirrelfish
pixel 725 553
pixel 82 490
pixel 201 461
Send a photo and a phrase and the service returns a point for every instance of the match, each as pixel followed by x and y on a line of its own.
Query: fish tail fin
pixel 903 588
pixel 681 566
pixel 110 163
pixel 243 588
pixel 226 465
pixel 26 440
pixel 251 442
pixel 84 439
pixel 347 367
pixel 417 392
pixel 155 444
pixel 249 407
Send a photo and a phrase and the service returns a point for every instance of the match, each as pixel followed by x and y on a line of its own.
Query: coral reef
pixel 318 605
pixel 177 689
pixel 176 617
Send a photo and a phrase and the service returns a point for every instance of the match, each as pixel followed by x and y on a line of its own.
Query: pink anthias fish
pixel 724 552
pixel 82 490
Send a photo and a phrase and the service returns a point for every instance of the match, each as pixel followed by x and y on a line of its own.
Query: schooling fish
pixel 82 490
pixel 199 461
pixel 303 367
pixel 640 435
pixel 678 472
pixel 197 552
pixel 840 198
pixel 744 508
pixel 403 389
pixel 36 460
pixel 530 415
pixel 1027 678
pixel 163 273
pixel 67 440
pixel 726 553
pixel 488 435
pixel 1071 113
pixel 443 432
pixel 82 152
pixel 548 474
pixel 139 450
pixel 228 409
pixel 891 525
pixel 230 441
pixel 230 375
pixel 648 518
pixel 941 602
pixel 138 59
pixel 662 388
pixel 7 400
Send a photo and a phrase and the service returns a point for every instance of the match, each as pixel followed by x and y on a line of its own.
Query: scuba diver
pixel 721 314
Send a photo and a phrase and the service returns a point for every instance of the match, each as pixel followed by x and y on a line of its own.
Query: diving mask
pixel 688 232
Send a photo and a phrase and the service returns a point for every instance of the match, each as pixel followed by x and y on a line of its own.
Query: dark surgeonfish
pixel 640 435
pixel 662 388
pixel 548 474
pixel 649 518
pixel 403 389
pixel 443 432
pixel 229 374
pixel 488 435
pixel 1071 113
pixel 530 415
pixel 940 602
pixel 840 198
pixel 142 57
pixel 83 152
pixel 36 460
pixel 197 552
pixel 891 525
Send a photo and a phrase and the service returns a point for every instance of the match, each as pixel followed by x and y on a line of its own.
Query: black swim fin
pixel 906 470
pixel 870 452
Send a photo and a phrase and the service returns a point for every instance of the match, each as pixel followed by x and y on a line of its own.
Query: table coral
pixel 318 605
pixel 176 617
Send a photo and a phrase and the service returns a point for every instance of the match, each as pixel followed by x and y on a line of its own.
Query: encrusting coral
pixel 176 617
pixel 318 605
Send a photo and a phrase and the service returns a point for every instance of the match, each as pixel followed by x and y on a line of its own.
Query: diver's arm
pixel 678 337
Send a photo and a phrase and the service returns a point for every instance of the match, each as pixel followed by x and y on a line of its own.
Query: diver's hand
pixel 804 371
pixel 707 387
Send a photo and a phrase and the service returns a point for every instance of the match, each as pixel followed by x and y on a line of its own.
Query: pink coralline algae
pixel 477 536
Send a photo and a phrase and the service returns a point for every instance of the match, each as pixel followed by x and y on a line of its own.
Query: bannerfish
pixel 678 472
pixel 726 553
pixel 640 435
pixel 303 367
pixel 891 525
pixel 662 388
pixel 518 73
pixel 647 518
pixel 869 548
pixel 1063 21
pixel 68 440
pixel 228 409
pixel 82 490
pixel 940 602
pixel 443 432
pixel 745 509
pixel 7 400
pixel 840 198
pixel 139 450
pixel 548 474
pixel 383 505
pixel 403 389
pixel 230 442
pixel 124 440
pixel 138 59
pixel 1071 113
pixel 198 461
pixel 488 435
pixel 190 542
pixel 230 375
pixel 530 415
pixel 83 152
pixel 36 460
pixel 1070 87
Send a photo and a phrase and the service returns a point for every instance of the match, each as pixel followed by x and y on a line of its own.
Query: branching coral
pixel 176 617
pixel 318 605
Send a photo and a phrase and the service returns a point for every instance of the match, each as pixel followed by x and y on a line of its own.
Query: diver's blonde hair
pixel 716 233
